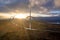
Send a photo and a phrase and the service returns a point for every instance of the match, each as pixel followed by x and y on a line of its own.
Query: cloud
pixel 39 6
pixel 7 1
pixel 23 5
pixel 34 2
pixel 57 3
pixel 12 5
pixel 44 6
pixel 38 2
pixel 4 5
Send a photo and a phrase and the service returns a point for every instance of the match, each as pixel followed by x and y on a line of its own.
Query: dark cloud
pixel 13 5
pixel 45 5
pixel 23 5
pixel 57 4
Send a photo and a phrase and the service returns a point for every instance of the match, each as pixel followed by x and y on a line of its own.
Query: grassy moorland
pixel 15 30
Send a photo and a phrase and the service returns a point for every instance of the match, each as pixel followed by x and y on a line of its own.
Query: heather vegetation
pixel 15 30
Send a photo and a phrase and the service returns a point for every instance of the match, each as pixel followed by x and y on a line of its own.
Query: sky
pixel 22 6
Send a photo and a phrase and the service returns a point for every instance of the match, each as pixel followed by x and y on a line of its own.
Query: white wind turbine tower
pixel 30 24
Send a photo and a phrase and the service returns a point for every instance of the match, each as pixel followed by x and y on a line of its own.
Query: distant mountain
pixel 47 19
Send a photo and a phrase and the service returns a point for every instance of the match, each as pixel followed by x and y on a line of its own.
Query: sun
pixel 21 16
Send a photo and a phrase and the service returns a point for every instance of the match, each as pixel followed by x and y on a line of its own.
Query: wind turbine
pixel 30 24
